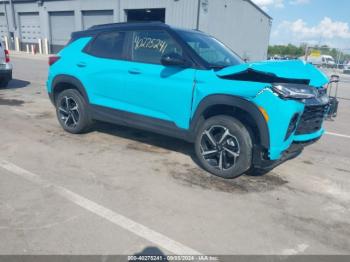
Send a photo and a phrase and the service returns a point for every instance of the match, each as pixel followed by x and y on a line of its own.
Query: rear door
pixel 102 67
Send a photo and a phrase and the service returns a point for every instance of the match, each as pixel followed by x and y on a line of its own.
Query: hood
pixel 295 71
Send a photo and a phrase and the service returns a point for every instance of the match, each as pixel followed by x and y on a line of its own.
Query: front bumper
pixel 260 160
pixel 307 128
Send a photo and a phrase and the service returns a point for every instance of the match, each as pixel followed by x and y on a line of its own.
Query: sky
pixel 309 21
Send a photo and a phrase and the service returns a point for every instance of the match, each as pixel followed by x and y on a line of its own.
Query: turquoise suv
pixel 186 84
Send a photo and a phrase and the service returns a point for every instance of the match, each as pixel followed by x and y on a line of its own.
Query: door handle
pixel 81 64
pixel 134 71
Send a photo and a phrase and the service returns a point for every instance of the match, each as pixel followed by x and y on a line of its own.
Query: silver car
pixel 5 67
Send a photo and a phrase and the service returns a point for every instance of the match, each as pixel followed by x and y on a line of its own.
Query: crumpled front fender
pixel 295 71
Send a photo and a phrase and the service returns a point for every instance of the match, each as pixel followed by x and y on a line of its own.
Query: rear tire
pixel 223 147
pixel 72 112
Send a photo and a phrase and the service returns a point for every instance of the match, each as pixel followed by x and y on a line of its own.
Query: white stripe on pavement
pixel 112 216
pixel 335 134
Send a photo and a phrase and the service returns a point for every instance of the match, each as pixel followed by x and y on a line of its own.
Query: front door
pixel 154 90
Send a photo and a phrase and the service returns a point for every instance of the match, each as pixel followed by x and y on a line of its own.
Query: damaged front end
pixel 292 72
pixel 296 100
pixel 288 79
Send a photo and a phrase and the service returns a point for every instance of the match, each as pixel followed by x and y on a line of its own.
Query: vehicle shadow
pixel 252 181
pixel 17 83
pixel 152 139
pixel 157 140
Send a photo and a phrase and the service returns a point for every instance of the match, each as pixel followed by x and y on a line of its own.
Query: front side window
pixel 212 51
pixel 150 46
pixel 108 45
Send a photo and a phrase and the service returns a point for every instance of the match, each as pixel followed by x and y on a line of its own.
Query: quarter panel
pixel 66 65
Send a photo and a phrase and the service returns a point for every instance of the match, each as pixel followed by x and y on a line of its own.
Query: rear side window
pixel 108 45
pixel 150 46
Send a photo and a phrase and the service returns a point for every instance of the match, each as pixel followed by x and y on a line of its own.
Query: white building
pixel 240 24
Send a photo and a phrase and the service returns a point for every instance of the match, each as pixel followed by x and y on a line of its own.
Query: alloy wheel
pixel 69 112
pixel 219 147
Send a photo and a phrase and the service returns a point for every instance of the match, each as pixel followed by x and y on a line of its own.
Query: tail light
pixel 7 56
pixel 53 59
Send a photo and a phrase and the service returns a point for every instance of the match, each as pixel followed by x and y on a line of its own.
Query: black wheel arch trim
pixel 67 79
pixel 234 101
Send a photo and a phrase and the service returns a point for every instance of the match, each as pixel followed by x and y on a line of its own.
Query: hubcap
pixel 69 112
pixel 219 147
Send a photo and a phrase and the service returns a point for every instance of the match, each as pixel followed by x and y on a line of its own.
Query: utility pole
pixel 338 58
pixel 306 52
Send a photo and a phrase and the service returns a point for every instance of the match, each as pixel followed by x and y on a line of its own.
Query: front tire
pixel 223 147
pixel 72 112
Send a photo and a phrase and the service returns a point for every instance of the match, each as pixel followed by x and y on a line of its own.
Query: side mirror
pixel 173 59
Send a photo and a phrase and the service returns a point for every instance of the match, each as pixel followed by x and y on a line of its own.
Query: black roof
pixel 127 25
pixel 106 27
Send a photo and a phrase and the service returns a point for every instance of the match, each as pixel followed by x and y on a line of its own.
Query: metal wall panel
pixel 3 26
pixel 238 24
pixel 29 24
pixel 62 24
pixel 178 13
pixel 96 17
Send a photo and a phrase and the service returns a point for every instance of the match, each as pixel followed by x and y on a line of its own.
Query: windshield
pixel 216 54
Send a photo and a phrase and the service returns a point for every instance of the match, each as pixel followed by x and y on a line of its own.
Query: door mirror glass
pixel 173 59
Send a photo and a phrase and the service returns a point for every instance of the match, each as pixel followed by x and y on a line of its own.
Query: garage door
pixel 97 17
pixel 3 26
pixel 29 27
pixel 62 24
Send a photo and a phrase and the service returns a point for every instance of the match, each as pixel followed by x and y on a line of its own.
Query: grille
pixel 312 119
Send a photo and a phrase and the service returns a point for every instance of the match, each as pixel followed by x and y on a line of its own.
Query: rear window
pixel 108 45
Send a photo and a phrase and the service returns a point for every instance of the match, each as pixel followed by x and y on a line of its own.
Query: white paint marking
pixel 117 219
pixel 335 134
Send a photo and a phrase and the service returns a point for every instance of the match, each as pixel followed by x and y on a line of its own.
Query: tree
pixel 286 50
pixel 294 51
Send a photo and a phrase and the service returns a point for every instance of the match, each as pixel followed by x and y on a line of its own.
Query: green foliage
pixel 294 51
pixel 286 50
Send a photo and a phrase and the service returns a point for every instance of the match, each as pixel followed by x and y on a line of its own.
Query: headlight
pixel 296 91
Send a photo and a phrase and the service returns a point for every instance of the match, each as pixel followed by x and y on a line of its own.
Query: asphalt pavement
pixel 118 190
